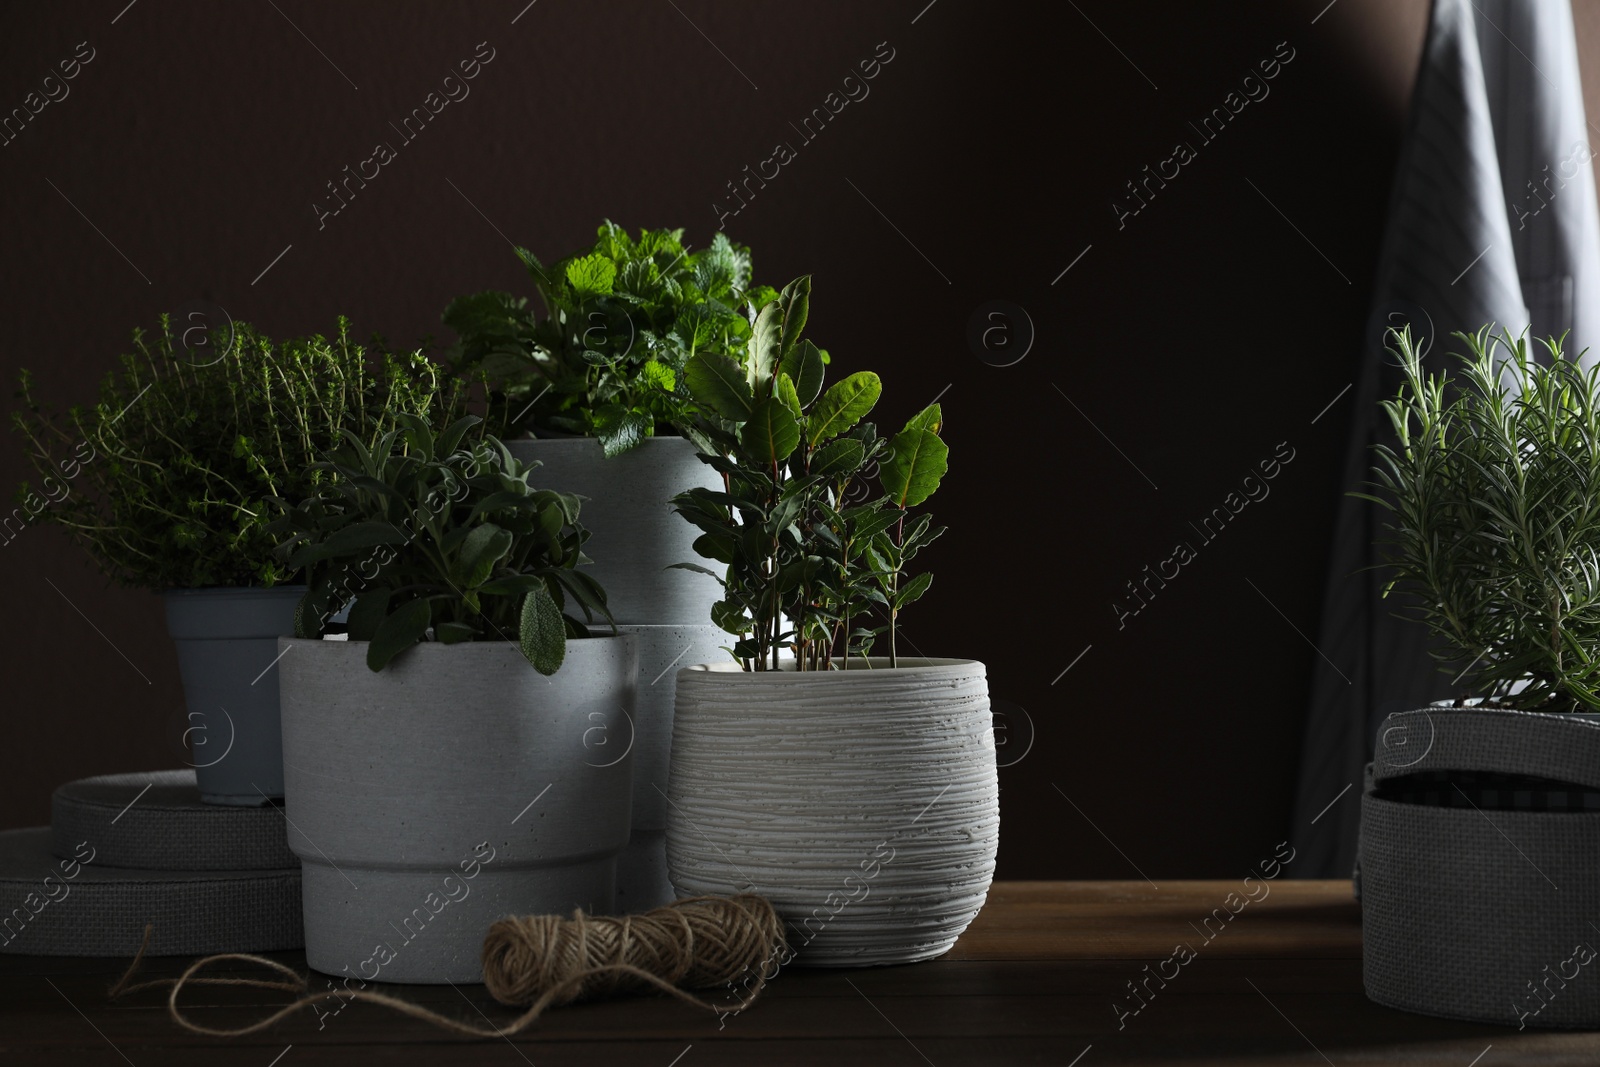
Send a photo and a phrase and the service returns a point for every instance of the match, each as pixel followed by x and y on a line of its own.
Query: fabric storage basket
pixel 1480 867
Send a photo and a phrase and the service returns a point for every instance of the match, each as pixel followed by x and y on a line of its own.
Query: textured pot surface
pixel 642 881
pixel 635 537
pixel 226 639
pixel 453 788
pixel 155 821
pixel 1479 886
pixel 864 803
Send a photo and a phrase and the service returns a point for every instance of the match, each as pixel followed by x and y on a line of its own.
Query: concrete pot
pixel 451 789
pixel 642 881
pixel 226 640
pixel 635 537
pixel 864 803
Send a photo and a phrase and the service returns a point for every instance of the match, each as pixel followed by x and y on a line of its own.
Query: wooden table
pixel 1038 978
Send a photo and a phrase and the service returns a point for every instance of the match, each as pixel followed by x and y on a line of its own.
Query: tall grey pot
pixel 634 535
pixel 642 881
pixel 1480 867
pixel 864 804
pixel 226 641
pixel 451 789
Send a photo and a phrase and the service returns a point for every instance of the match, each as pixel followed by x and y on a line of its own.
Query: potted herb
pixel 593 370
pixel 166 481
pixel 437 771
pixel 858 792
pixel 1490 490
pixel 1476 810
pixel 597 378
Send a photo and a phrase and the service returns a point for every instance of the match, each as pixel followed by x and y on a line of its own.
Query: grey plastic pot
pixel 642 881
pixel 634 535
pixel 451 789
pixel 863 803
pixel 226 641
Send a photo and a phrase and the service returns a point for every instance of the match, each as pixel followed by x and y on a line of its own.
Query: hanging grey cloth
pixel 1492 218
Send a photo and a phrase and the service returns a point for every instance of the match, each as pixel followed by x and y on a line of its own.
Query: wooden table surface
pixel 1037 979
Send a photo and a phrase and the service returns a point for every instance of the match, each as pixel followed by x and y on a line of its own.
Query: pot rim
pixel 220 591
pixel 1475 705
pixel 910 666
pixel 578 441
pixel 596 644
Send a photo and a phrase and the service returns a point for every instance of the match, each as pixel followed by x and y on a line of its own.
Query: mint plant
pixel 166 479
pixel 621 318
pixel 441 537
pixel 793 457
pixel 1493 495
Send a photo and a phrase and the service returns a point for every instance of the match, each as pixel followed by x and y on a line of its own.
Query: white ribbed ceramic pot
pixel 863 803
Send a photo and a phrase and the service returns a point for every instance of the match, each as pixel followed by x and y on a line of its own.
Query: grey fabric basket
pixel 1479 867
pixel 51 906
pixel 156 821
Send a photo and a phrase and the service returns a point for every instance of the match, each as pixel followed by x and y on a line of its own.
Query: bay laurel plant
pixel 167 477
pixel 804 566
pixel 1492 488
pixel 621 318
pixel 439 537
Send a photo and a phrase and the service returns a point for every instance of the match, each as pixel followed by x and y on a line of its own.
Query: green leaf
pixel 625 432
pixel 483 547
pixel 451 437
pixel 593 275
pixel 788 510
pixel 838 457
pixel 543 632
pixel 784 390
pixel 452 633
pixel 929 418
pixel 586 591
pixel 912 591
pixel 803 363
pixel 402 629
pixel 659 375
pixel 730 617
pixel 771 434
pixel 696 568
pixel 918 460
pixel 418 433
pixel 367 614
pixel 766 342
pixel 718 382
pixel 717 546
pixel 795 300
pixel 843 405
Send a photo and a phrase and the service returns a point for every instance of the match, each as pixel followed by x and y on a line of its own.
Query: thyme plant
pixel 184 457
pixel 1493 494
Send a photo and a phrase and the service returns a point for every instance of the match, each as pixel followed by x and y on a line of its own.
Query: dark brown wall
pixel 1191 341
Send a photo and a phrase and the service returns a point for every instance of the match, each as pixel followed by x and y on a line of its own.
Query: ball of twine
pixel 547 960
pixel 698 943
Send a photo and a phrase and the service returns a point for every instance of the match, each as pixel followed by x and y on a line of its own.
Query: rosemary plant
pixel 1493 494
pixel 172 469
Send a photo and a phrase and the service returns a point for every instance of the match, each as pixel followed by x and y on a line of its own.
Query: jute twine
pixel 545 960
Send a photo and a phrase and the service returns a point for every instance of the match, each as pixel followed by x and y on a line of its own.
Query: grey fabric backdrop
pixel 1492 219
